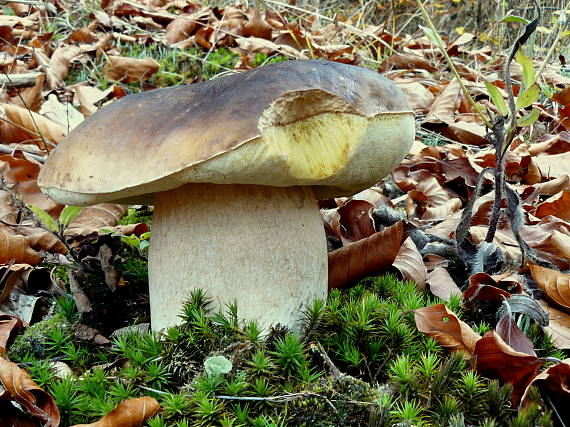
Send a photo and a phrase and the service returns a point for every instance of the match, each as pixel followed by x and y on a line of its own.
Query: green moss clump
pixel 135 216
pixel 33 343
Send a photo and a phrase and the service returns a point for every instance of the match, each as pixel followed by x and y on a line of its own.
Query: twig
pixel 19 80
pixel 10 150
pixel 335 372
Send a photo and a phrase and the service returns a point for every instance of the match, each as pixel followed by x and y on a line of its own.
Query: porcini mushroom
pixel 233 167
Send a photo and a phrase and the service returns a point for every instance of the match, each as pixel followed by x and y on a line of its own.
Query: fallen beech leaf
pixel 16 248
pixel 130 70
pixel 64 115
pixel 93 218
pixel 182 27
pixel 59 63
pixel 25 125
pixel 496 359
pixel 406 62
pixel 441 284
pixel 256 26
pixel 557 205
pixel 365 257
pixel 438 322
pixel 555 284
pixel 410 264
pixel 508 330
pixel 554 165
pixel 554 382
pixel 355 221
pixel 8 324
pixel 28 394
pixel 130 413
pixel 558 326
pixel 444 106
pixel 22 175
pixel 419 97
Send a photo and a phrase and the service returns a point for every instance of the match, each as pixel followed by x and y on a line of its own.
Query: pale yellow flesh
pixel 263 247
pixel 336 153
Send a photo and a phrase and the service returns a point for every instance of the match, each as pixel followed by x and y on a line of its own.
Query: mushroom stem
pixel 263 247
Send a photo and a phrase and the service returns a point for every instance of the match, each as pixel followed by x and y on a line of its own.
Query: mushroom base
pixel 262 247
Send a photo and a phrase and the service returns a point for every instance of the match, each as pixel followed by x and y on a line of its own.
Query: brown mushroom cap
pixel 291 123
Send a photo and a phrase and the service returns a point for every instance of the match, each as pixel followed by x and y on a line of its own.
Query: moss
pixel 33 342
pixel 135 216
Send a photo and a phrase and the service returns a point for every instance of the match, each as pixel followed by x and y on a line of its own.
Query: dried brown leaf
pixel 28 394
pixel 496 359
pixel 16 248
pixel 130 413
pixel 442 325
pixel 22 125
pixel 557 205
pixel 441 284
pixel 558 326
pixel 410 264
pixel 556 285
pixel 508 330
pixel 364 257
pixel 130 70
pixel 8 324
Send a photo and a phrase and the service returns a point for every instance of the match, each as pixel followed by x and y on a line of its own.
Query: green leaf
pixel 497 98
pixel 526 98
pixel 144 245
pixel 131 240
pixel 515 18
pixel 529 119
pixel 145 236
pixel 528 74
pixel 433 37
pixel 68 213
pixel 45 218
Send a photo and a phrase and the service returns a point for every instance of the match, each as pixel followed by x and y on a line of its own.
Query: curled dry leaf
pixel 16 248
pixel 508 330
pixel 8 324
pixel 558 325
pixel 256 26
pixel 130 70
pixel 182 27
pixel 59 63
pixel 130 413
pixel 22 125
pixel 556 285
pixel 410 264
pixel 365 257
pixel 442 325
pixel 93 218
pixel 28 394
pixel 557 205
pixel 496 359
pixel 355 221
pixel 441 284
pixel 554 382
pixel 22 174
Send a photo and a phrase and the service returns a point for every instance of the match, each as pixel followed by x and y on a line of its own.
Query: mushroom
pixel 234 167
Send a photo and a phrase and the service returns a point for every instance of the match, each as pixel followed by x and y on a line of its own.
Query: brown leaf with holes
pixel 130 70
pixel 442 325
pixel 441 284
pixel 496 359
pixel 557 205
pixel 8 324
pixel 22 125
pixel 28 394
pixel 410 264
pixel 556 285
pixel 130 413
pixel 372 255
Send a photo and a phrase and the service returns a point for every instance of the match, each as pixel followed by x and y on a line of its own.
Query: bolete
pixel 234 167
